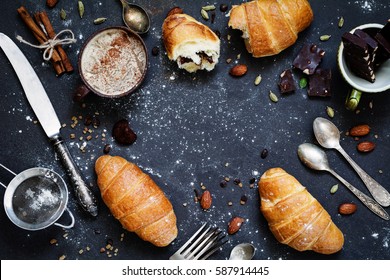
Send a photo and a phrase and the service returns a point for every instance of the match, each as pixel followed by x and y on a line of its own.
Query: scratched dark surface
pixel 193 129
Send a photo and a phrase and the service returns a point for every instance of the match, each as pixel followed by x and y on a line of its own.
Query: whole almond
pixel 235 224
pixel 206 200
pixel 359 130
pixel 174 11
pixel 238 70
pixel 366 146
pixel 347 208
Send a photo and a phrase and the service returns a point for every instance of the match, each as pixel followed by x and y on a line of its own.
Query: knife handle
pixel 84 195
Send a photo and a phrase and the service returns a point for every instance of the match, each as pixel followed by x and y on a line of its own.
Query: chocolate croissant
pixel 294 216
pixel 270 26
pixel 135 200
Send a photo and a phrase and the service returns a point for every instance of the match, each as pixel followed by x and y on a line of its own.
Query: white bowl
pixel 382 81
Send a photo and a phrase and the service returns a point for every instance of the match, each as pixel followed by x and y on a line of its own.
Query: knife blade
pixel 44 111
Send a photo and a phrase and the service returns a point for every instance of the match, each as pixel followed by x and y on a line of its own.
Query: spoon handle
pixel 378 192
pixel 368 201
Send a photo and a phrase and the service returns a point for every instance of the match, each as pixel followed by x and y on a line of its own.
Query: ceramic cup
pixel 113 62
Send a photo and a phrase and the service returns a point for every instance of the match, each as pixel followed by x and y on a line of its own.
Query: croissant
pixel 270 26
pixel 135 200
pixel 190 43
pixel 294 216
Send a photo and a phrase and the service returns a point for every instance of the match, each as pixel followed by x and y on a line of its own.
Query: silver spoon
pixel 243 251
pixel 315 158
pixel 328 136
pixel 135 17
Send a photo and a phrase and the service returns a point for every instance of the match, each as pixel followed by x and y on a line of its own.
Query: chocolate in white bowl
pixel 113 62
pixel 382 74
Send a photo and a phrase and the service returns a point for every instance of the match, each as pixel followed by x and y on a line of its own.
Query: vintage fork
pixel 201 245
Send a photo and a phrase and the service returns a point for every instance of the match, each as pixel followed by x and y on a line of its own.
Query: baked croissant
pixel 270 26
pixel 294 216
pixel 190 43
pixel 135 200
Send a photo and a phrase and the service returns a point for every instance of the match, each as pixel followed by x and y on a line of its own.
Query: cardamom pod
pixel 208 8
pixel 204 14
pixel 325 37
pixel 330 111
pixel 99 20
pixel 63 14
pixel 334 189
pixel 341 22
pixel 81 8
pixel 273 97
pixel 258 80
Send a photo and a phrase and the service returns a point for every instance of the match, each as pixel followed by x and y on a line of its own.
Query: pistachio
pixel 341 22
pixel 258 80
pixel 62 14
pixel 204 14
pixel 81 8
pixel 325 37
pixel 99 20
pixel 208 8
pixel 330 111
pixel 273 97
pixel 303 82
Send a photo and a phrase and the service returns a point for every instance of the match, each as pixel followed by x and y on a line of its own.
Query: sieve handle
pixel 9 170
pixel 71 224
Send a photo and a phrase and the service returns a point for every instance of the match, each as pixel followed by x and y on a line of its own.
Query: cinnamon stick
pixel 41 37
pixel 44 18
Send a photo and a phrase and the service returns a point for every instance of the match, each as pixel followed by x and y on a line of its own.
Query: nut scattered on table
pixel 359 130
pixel 206 200
pixel 238 70
pixel 366 146
pixel 235 224
pixel 347 208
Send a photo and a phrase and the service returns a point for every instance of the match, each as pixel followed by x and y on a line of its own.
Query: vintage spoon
pixel 243 251
pixel 328 136
pixel 135 17
pixel 315 158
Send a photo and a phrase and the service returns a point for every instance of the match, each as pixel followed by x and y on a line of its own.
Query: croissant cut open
pixel 294 216
pixel 135 200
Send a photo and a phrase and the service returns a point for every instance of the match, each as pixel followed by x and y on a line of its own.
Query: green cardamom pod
pixel 341 22
pixel 204 14
pixel 208 8
pixel 330 111
pixel 81 8
pixel 99 20
pixel 62 14
pixel 273 97
pixel 325 37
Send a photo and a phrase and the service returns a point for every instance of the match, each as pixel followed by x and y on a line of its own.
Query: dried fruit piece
pixel 122 133
pixel 366 146
pixel 235 224
pixel 206 200
pixel 238 70
pixel 359 130
pixel 347 208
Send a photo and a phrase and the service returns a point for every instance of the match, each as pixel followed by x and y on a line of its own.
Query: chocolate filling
pixel 202 55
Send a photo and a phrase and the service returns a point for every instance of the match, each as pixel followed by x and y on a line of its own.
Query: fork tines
pixel 202 244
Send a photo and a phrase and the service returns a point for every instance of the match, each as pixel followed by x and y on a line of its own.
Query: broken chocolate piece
pixel 383 39
pixel 309 58
pixel 320 83
pixel 371 43
pixel 286 82
pixel 358 56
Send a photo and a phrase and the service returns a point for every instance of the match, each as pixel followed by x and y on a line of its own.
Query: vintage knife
pixel 43 109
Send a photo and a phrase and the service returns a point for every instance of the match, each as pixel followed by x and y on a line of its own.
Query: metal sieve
pixel 36 198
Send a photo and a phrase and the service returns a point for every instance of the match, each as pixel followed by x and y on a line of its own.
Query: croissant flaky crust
pixel 270 26
pixel 135 200
pixel 294 216
pixel 190 43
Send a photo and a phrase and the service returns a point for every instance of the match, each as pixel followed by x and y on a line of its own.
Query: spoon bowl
pixel 243 251
pixel 135 17
pixel 326 133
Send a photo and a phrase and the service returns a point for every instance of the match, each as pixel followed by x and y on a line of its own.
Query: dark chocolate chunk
pixel 358 57
pixel 308 59
pixel 371 43
pixel 383 52
pixel 320 83
pixel 286 82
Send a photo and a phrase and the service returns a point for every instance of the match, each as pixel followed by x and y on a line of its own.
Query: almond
pixel 206 200
pixel 235 224
pixel 366 146
pixel 347 208
pixel 238 70
pixel 359 130
pixel 174 11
